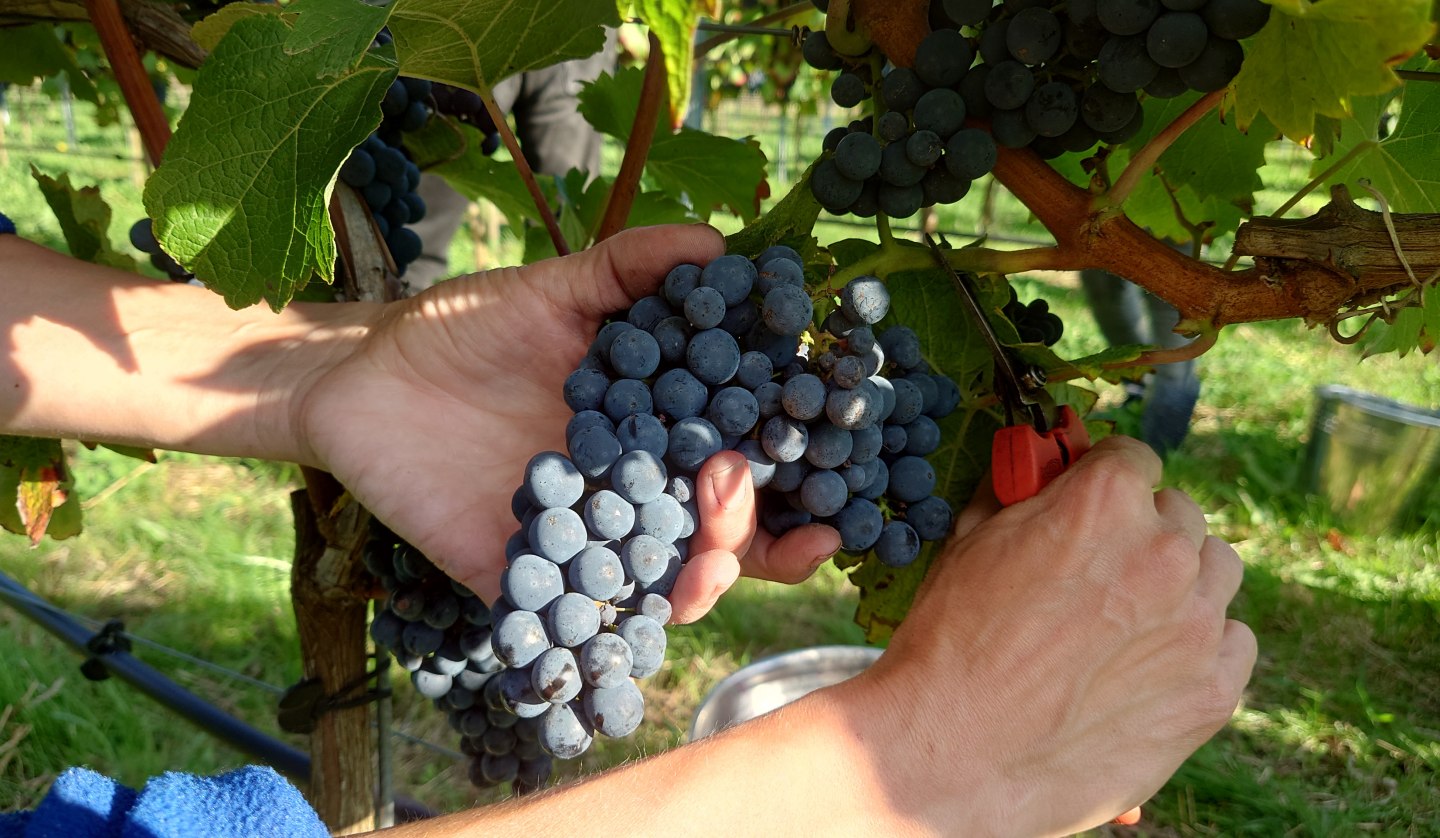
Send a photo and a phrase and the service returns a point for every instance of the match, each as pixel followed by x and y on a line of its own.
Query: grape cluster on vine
pixel 1054 77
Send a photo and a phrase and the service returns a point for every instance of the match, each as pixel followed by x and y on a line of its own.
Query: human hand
pixel 1066 655
pixel 431 420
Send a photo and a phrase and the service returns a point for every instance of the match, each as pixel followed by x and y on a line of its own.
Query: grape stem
pixel 507 136
pixel 1155 357
pixel 1144 160
pixel 642 134
pixel 897 256
pixel 130 73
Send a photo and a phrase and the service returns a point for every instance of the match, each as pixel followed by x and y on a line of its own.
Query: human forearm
pixel 99 354
pixel 815 767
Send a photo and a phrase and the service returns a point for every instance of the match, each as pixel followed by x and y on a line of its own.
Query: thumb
pixel 625 267
pixel 982 507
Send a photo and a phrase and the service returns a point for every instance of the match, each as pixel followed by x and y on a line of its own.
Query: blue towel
pixel 250 801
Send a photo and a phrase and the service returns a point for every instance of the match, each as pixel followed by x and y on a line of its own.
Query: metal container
pixel 1376 461
pixel 775 681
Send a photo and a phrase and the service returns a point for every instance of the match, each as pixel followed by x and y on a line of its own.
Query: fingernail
pixel 726 482
pixel 828 555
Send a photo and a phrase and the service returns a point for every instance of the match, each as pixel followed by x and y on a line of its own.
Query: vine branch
pixel 1145 159
pixel 642 134
pixel 130 73
pixel 507 136
pixel 782 14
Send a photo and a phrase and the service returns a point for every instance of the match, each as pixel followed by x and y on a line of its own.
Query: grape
pixel 1125 64
pixel 848 90
pixel 970 154
pixel 498 741
pixel 1009 85
pixel 762 467
pixel 942 187
pixel 823 493
pixel 901 345
pixel 768 397
pixel 600 347
pixel 818 53
pixel 681 488
pixel 833 138
pixel 390 167
pixel 642 432
pixel 1033 36
pixel 609 516
pixel 779 272
pixel 386 630
pixel 993 46
pixel 858 156
pixel 1131 129
pixel 849 372
pixel 922 436
pixel 734 411
pixel 896 168
pixel 829 446
pixel 358 170
pixel 662 519
pixel 898 544
pixel 531 583
pixel 679 395
pixel 923 148
pixel 555 676
pixel 778 251
pixel 519 638
pixel 732 275
pixel 940 110
pixel 376 194
pixel 859 523
pixel 596 573
pixel 404 245
pixel 947 397
pixel 562 734
pixel 672 335
pixel 645 558
pixel 692 442
pixel 1052 109
pixel 1215 67
pixel 1106 110
pixel 1235 20
pixel 681 280
pixel 893 125
pixel 557 534
pixel 1167 84
pixel 704 308
pixel 1126 17
pixel 594 451
pixel 606 661
pixel 972 90
pixel 930 518
pixel 832 190
pixel 865 299
pixel 784 439
pixel 1080 137
pixel 644 315
pixel 967 12
pixel 713 357
pixel 573 619
pixel 616 711
pixel 625 397
pixel 901 89
pixel 429 683
pixel 638 477
pixel 755 369
pixel 804 396
pixel 646 639
pixel 901 201
pixel 911 479
pixel 787 310
pixel 1177 38
pixel 943 57
pixel 851 409
pixel 878 484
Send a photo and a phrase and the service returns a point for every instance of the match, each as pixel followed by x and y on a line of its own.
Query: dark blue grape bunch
pixel 382 171
pixel 1034 320
pixel 467 107
pixel 1053 77
pixel 142 236
pixel 713 362
pixel 439 631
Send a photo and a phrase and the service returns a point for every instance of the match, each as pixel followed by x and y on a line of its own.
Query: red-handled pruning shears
pixel 1039 440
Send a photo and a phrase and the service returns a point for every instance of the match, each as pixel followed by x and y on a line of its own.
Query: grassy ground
pixel 1339 733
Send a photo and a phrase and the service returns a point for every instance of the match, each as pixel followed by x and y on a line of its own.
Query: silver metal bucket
pixel 1375 461
pixel 775 681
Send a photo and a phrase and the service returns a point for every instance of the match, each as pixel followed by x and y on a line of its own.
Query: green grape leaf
pixel 713 172
pixel 209 32
pixel 84 220
pixel 243 195
pixel 453 151
pixel 342 29
pixel 36 496
pixel 789 221
pixel 849 251
pixel 1416 327
pixel 1312 58
pixel 1191 159
pixel 32 52
pixel 588 200
pixel 475 44
pixel 1405 165
pixel 673 22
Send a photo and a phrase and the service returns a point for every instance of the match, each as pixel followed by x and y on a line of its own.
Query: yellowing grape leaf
pixel 1311 58
pixel 209 32
pixel 673 22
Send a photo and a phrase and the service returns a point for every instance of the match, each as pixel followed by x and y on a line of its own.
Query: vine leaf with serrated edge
pixel 84 218
pixel 1311 58
pixel 34 478
pixel 674 22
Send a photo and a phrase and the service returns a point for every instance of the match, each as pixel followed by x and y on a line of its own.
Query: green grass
pixel 1339 733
